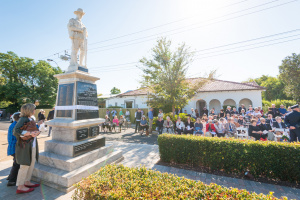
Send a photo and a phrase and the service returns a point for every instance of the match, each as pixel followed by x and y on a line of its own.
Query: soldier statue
pixel 292 121
pixel 78 35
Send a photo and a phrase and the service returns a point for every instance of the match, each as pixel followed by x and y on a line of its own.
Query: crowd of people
pixel 260 125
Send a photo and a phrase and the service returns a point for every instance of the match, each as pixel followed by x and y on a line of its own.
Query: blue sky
pixel 38 29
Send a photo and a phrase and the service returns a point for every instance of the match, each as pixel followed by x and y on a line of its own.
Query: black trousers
pixel 137 125
pixel 14 171
pixel 294 134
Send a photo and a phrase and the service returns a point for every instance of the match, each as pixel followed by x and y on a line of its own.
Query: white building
pixel 213 94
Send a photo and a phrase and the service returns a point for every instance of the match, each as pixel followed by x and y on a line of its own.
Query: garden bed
pixel 119 182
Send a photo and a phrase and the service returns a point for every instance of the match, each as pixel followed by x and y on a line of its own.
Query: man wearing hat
pixel 78 35
pixel 292 121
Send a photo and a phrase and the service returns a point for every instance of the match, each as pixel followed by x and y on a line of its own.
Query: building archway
pixel 229 102
pixel 216 104
pixel 200 105
pixel 246 102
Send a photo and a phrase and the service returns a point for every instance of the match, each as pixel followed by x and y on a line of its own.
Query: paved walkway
pixel 144 154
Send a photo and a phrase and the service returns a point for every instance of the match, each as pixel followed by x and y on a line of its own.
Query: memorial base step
pixel 71 163
pixel 63 180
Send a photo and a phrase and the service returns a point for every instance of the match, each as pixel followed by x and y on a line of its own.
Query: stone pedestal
pixel 76 149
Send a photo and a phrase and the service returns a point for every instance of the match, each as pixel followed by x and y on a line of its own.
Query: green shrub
pixel 119 182
pixel 232 106
pixel 273 160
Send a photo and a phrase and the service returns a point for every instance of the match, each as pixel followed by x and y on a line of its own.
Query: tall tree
pixel 115 90
pixel 165 76
pixel 290 74
pixel 274 87
pixel 27 80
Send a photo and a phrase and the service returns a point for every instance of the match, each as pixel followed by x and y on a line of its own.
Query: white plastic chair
pixel 243 133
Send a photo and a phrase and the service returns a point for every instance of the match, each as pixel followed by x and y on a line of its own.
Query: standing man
pixel 275 111
pixel 150 116
pixel 292 121
pixel 78 35
pixel 242 107
pixel 113 113
pixel 138 117
pixel 12 140
pixel 50 117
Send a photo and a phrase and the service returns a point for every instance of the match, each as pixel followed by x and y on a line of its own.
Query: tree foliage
pixel 22 78
pixel 290 74
pixel 165 76
pixel 274 87
pixel 115 90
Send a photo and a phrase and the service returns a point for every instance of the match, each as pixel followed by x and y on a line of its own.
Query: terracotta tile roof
pixel 212 86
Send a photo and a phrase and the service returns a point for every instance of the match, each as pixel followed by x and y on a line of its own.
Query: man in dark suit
pixel 270 120
pixel 278 123
pixel 275 111
pixel 292 121
pixel 228 111
pixel 242 107
pixel 50 117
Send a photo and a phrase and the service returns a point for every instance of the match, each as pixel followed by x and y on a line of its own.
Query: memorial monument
pixel 76 149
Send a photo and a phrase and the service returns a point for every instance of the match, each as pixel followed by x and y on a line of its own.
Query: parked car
pixel 11 119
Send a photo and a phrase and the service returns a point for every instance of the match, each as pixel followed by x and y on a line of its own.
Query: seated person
pixel 279 124
pixel 243 113
pixel 179 126
pixel 210 129
pixel 115 122
pixel 221 114
pixel 189 126
pixel 266 127
pixel 282 110
pixel 144 125
pixel 241 120
pixel 270 120
pixel 255 131
pixel 198 127
pixel 230 128
pixel 227 116
pixel 168 125
pixel 106 123
pixel 234 111
pixel 160 125
pixel 220 130
pixel 261 111
pixel 121 122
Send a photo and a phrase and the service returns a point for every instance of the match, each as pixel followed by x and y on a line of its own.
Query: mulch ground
pixel 222 173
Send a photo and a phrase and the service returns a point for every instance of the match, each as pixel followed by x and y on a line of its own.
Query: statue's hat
pixel 79 11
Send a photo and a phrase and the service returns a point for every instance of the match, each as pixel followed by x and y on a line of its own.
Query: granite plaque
pixel 65 98
pixel 82 133
pixel 86 96
pixel 94 131
pixel 88 146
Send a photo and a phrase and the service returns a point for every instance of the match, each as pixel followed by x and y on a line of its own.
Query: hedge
pixel 272 160
pixel 119 182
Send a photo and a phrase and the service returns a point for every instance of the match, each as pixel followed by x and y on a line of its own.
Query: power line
pixel 249 48
pixel 249 44
pixel 155 35
pixel 116 68
pixel 249 40
pixel 151 28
